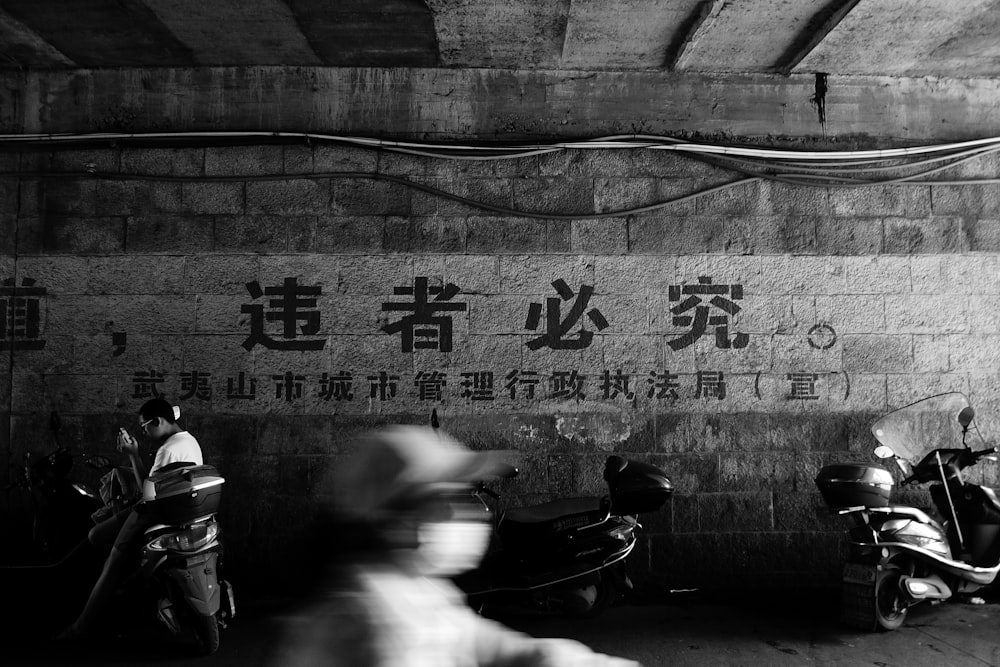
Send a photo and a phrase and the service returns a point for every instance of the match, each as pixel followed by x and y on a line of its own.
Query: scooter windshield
pixel 919 428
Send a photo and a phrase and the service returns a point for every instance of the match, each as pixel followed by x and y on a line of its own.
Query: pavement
pixel 689 629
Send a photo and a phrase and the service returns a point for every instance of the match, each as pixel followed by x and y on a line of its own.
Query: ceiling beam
pixel 827 21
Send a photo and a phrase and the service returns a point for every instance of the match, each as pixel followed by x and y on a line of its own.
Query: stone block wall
pixel 288 300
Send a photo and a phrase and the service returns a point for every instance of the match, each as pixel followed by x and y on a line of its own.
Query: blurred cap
pixel 400 463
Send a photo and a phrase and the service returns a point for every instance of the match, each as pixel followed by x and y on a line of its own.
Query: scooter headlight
pixel 191 538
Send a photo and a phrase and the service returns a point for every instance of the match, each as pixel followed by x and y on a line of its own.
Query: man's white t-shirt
pixel 181 446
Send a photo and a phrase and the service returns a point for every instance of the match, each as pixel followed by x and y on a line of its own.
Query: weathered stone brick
pixel 558 236
pixel 903 390
pixel 660 233
pixel 761 235
pixel 608 236
pixel 362 196
pixel 291 197
pixel 974 353
pixel 59 196
pixel 877 200
pixel 404 164
pixel 844 314
pixel 932 353
pixel 479 274
pixel 219 274
pixel 802 275
pixel 984 235
pixel 334 158
pixel 638 354
pixel 634 274
pixel 213 198
pixel 75 160
pixel 169 233
pixel 742 199
pixel 71 393
pixel 374 275
pixel 57 274
pixel 555 195
pixel 692 473
pixel 506 235
pixel 219 313
pixel 163 161
pixel 926 314
pixel 477 195
pixel 796 200
pixel 83 235
pixel 297 159
pixel 425 234
pixel 137 197
pixel 243 160
pixel 746 511
pixel 875 275
pixel 255 233
pixel 933 235
pixel 319 271
pixel 849 236
pixel 135 274
pixel 877 353
pixel 354 235
pixel 534 274
pixel 984 314
pixel 964 200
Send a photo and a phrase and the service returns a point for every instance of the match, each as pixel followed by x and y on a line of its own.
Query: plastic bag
pixel 118 491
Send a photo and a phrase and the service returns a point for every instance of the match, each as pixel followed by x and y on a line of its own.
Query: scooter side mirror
pixel 884 452
pixel 965 416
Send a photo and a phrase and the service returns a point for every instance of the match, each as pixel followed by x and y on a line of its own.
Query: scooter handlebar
pixel 984 452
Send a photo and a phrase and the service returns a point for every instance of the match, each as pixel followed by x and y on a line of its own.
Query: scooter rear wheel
pixel 890 605
pixel 606 593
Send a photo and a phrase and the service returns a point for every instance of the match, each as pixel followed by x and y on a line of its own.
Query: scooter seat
pixel 562 508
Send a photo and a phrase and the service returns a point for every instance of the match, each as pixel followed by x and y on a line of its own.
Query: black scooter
pixel 180 561
pixel 900 555
pixel 55 508
pixel 567 555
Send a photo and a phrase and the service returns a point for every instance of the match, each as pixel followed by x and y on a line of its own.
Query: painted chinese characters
pixel 556 327
pixel 20 315
pixel 658 386
pixel 700 298
pixel 290 303
pixel 424 328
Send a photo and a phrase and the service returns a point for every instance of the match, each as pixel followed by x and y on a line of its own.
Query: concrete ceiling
pixel 896 38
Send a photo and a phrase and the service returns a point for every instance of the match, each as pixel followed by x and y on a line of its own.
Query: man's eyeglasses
pixel 143 425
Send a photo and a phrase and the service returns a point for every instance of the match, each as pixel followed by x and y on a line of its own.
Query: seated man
pixel 158 420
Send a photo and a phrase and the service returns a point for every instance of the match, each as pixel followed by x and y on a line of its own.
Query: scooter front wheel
pixel 206 631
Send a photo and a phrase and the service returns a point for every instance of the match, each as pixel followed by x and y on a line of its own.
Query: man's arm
pixel 128 445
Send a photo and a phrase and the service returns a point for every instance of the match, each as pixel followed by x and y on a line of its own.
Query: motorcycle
pixel 566 555
pixel 899 555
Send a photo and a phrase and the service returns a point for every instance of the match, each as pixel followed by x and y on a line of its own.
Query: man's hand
pixel 127 444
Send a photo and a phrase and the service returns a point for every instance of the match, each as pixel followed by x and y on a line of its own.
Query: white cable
pixel 633 142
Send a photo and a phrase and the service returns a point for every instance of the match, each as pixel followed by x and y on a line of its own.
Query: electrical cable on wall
pixel 824 169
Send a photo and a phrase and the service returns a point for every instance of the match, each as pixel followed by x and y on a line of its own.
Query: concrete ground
pixel 688 630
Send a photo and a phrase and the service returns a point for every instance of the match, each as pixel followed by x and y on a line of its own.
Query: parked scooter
pixel 567 555
pixel 899 555
pixel 180 562
pixel 55 506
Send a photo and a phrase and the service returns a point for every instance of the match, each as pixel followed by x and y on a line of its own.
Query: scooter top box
pixel 636 487
pixel 184 493
pixel 854 484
